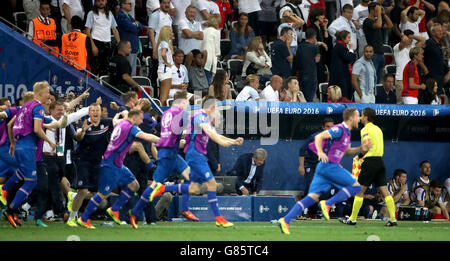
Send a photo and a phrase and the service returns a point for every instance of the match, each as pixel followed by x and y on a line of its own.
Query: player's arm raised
pixel 148 137
pixel 220 139
pixel 318 143
pixel 58 124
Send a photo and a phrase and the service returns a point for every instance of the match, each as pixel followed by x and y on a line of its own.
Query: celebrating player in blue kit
pixel 199 133
pixel 30 136
pixel 168 160
pixel 113 173
pixel 330 146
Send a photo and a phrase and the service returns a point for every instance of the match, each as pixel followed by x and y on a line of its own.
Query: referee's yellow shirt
pixel 376 136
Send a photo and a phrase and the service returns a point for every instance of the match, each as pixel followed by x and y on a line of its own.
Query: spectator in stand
pixel 290 20
pixel 308 55
pixel 432 199
pixel 120 69
pixel 411 84
pixel 219 87
pixel 158 19
pixel 396 33
pixel 373 30
pixel 344 23
pixel 410 19
pixel 240 37
pixel 257 61
pixel 206 9
pixel 100 21
pixel 43 29
pixel 384 94
pixel 189 31
pixel 31 8
pixel 435 66
pixel 398 188
pixel 360 13
pixel 129 29
pixel 268 20
pixel 273 92
pixel 293 93
pixel 211 43
pixel 401 56
pixel 429 10
pixel 342 58
pixel 292 10
pixel 225 11
pixel 251 8
pixel 69 9
pixel 76 46
pixel 195 63
pixel 180 7
pixel 155 5
pixel 334 95
pixel 319 23
pixel 165 62
pixel 282 56
pixel 430 94
pixel 364 77
pixel 180 79
pixel 250 91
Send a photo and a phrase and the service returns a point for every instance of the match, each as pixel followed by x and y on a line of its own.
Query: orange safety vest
pixel 73 46
pixel 44 32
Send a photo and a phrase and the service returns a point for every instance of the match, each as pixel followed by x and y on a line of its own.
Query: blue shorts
pixel 200 171
pixel 167 164
pixel 112 177
pixel 8 164
pixel 328 175
pixel 26 160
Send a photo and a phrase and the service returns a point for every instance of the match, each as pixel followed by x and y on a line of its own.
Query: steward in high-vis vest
pixel 43 28
pixel 75 46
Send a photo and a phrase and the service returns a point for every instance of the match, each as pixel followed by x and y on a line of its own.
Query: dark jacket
pixel 128 30
pixel 242 168
pixel 339 71
pixel 213 155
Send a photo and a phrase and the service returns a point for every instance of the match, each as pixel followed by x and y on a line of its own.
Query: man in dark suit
pixel 249 170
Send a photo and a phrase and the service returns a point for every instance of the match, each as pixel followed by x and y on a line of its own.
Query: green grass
pixel 242 231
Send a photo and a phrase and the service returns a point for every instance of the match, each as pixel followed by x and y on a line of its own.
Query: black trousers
pixel 41 191
pixel 100 62
pixel 55 170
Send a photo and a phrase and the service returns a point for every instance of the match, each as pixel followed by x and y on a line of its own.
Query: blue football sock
pixel 23 193
pixel 343 194
pixel 185 197
pixel 298 208
pixel 143 200
pixel 124 196
pixel 91 207
pixel 212 199
pixel 15 178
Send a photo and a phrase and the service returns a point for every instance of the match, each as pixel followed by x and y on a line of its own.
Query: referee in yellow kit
pixel 372 169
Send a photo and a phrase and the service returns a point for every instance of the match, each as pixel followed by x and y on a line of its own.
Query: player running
pixel 372 169
pixel 113 173
pixel 330 146
pixel 168 160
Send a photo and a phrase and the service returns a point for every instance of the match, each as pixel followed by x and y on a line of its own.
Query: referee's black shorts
pixel 372 171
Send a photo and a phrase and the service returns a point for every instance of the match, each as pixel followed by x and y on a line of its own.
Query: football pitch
pixel 312 230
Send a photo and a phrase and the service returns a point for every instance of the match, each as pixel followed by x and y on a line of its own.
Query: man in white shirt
pixel 153 5
pixel 249 93
pixel 206 8
pixel 410 19
pixel 360 13
pixel 344 22
pixel 69 9
pixel 340 4
pixel 401 56
pixel 271 92
pixel 180 79
pixel 158 20
pixel 189 31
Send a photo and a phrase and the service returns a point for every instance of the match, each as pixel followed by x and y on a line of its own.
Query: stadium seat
pixel 104 78
pixel 269 47
pixel 198 102
pixel 235 69
pixel 169 102
pixel 327 74
pixel 388 54
pixel 390 68
pixel 142 80
pixel 231 84
pixel 323 87
pixel 20 20
pixel 225 47
pixel 144 41
pixel 149 89
pixel 157 101
pixel 267 83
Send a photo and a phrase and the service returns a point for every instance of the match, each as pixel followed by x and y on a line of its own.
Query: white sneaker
pixel 375 214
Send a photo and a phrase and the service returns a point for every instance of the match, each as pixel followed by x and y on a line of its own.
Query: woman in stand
pixel 165 62
pixel 240 37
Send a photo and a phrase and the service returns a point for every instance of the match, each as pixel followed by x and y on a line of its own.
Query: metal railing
pixel 84 70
